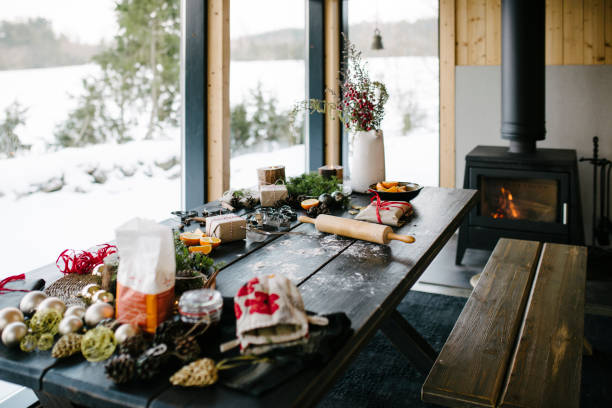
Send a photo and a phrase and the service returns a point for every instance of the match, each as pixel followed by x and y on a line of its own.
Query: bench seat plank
pixel 546 368
pixel 471 368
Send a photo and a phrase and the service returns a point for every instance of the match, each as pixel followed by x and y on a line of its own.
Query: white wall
pixel 578 107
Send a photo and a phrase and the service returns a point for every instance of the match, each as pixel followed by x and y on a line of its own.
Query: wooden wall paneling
pixel 218 91
pixel 493 32
pixel 477 12
pixel 608 31
pixel 554 32
pixel 461 30
pixel 573 30
pixel 594 41
pixel 332 68
pixel 447 93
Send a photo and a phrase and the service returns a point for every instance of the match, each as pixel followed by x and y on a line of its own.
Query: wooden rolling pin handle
pixel 409 239
pixel 303 218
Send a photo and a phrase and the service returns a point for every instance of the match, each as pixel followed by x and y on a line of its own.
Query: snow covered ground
pixel 75 198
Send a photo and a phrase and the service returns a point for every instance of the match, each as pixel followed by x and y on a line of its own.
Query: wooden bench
pixel 518 341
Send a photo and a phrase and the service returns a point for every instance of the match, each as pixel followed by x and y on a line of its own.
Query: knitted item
pixel 67 345
pixel 200 373
pixel 121 368
pixel 133 345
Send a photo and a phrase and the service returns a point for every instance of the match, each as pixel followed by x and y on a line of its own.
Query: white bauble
pixel 98 312
pixel 70 324
pixel 78 311
pixel 13 333
pixel 30 301
pixel 52 303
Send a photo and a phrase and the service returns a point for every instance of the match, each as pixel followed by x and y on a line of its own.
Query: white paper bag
pixel 145 279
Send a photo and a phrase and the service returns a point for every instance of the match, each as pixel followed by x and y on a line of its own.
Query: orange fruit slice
pixel 213 241
pixel 380 187
pixel 190 238
pixel 389 184
pixel 311 202
pixel 204 249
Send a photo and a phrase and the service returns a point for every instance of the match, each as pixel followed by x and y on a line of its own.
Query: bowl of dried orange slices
pixel 396 190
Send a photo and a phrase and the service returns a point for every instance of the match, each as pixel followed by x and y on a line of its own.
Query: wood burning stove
pixel 533 197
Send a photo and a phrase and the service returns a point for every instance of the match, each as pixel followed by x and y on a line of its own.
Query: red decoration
pixel 237 311
pixel 83 262
pixel 11 279
pixel 263 303
pixel 385 205
pixel 248 288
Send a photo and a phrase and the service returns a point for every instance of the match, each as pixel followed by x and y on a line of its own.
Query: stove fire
pixel 506 208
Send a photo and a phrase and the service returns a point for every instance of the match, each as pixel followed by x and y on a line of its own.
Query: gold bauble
pixel 52 303
pixel 97 270
pixel 102 296
pixel 9 315
pixel 70 324
pixel 13 333
pixel 30 301
pixel 125 331
pixel 78 311
pixel 88 290
pixel 98 312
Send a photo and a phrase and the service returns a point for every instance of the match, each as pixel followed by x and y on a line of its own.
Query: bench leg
pixel 407 340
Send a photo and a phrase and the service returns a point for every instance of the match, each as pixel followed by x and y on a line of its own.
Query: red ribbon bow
pixel 83 262
pixel 386 205
pixel 4 281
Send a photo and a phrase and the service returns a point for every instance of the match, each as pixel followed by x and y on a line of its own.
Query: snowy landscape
pixel 78 196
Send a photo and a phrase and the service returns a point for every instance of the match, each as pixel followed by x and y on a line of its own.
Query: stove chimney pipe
pixel 523 73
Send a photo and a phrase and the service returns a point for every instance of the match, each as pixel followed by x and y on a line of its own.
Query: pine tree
pixel 14 116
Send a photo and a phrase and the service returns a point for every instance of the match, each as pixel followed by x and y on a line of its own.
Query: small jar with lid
pixel 200 304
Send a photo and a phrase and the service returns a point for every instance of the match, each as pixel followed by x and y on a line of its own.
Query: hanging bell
pixel 377 41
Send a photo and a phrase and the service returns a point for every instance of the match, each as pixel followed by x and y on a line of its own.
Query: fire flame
pixel 505 206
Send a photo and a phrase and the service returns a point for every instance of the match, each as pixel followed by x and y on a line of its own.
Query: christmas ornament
pixel 133 345
pixel 200 373
pixel 67 345
pixel 109 323
pixel 52 303
pixel 187 349
pixel 13 333
pixel 97 270
pixel 121 368
pixel 45 321
pixel 169 331
pixel 45 341
pixel 83 262
pixel 9 315
pixel 102 296
pixel 31 300
pixel 28 343
pixel 150 362
pixel 70 324
pixel 98 312
pixel 98 344
pixel 125 331
pixel 78 311
pixel 88 290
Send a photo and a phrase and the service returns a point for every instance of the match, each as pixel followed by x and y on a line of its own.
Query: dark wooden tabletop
pixel 365 280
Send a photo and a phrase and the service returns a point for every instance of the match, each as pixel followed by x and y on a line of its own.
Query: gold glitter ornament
pixel 98 344
pixel 28 343
pixel 45 321
pixel 200 373
pixel 67 345
pixel 45 341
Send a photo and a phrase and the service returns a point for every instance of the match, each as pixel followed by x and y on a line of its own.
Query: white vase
pixel 366 159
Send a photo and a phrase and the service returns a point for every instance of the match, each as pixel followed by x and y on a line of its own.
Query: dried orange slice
pixel 204 249
pixel 380 187
pixel 214 241
pixel 190 238
pixel 389 184
pixel 311 202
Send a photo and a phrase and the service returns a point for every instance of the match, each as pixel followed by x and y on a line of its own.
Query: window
pixel 266 79
pixel 408 65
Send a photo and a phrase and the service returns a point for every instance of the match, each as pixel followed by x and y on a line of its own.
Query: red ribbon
pixel 386 205
pixel 83 262
pixel 4 281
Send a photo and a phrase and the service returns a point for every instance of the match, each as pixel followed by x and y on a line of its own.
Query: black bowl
pixel 413 191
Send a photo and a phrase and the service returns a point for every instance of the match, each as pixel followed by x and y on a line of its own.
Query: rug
pixel 380 376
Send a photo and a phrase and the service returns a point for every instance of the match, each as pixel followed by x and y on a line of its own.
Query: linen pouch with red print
pixel 269 310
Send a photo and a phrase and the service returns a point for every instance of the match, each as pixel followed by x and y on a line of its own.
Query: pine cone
pixel 169 331
pixel 235 202
pixel 200 373
pixel 120 369
pixel 133 345
pixel 67 345
pixel 323 209
pixel 150 362
pixel 313 212
pixel 187 348
pixel 250 203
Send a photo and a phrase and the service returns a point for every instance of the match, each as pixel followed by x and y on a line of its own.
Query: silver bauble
pixel 31 300
pixel 125 331
pixel 13 333
pixel 9 315
pixel 78 311
pixel 98 312
pixel 52 303
pixel 88 290
pixel 70 324
pixel 102 296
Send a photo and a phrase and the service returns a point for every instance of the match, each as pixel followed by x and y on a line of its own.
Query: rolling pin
pixel 380 234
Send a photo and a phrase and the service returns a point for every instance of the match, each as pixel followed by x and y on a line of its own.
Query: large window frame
pixel 194 65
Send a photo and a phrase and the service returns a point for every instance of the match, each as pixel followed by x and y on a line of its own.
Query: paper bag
pixel 145 279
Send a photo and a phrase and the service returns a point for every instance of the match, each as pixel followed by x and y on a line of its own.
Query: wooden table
pixel 366 281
